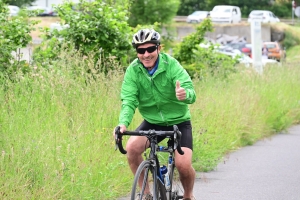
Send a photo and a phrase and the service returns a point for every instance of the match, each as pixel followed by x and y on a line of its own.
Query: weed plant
pixel 56 130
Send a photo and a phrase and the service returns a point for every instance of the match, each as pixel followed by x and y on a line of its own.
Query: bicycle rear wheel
pixel 146 174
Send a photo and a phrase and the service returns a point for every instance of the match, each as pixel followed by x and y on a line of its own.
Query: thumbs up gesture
pixel 180 92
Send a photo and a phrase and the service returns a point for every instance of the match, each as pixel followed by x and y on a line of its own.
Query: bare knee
pixel 183 167
pixel 183 163
pixel 135 146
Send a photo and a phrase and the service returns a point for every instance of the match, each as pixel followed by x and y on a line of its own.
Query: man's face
pixel 148 58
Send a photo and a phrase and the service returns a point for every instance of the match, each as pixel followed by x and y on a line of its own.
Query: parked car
pixel 241 57
pixel 13 10
pixel 275 51
pixel 42 11
pixel 243 47
pixel 247 50
pixel 247 61
pixel 226 14
pixel 264 16
pixel 237 45
pixel 197 16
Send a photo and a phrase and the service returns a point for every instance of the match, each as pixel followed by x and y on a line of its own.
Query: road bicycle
pixel 150 170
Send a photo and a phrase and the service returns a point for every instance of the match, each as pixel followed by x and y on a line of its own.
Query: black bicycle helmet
pixel 144 36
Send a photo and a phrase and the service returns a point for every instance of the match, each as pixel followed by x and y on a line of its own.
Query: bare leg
pixel 135 147
pixel 187 173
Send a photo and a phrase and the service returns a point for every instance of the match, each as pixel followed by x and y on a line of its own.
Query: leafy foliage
pixel 189 6
pixel 14 34
pixel 19 3
pixel 190 43
pixel 208 62
pixel 240 3
pixel 291 40
pixel 281 8
pixel 198 61
pixel 151 11
pixel 97 25
pixel 96 28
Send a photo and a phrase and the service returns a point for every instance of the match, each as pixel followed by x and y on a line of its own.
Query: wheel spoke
pixel 142 178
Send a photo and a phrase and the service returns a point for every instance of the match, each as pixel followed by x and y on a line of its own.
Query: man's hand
pixel 180 92
pixel 122 130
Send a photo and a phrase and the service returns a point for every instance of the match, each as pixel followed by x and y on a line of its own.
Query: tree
pixel 184 51
pixel 240 3
pixel 246 6
pixel 19 3
pixel 199 61
pixel 282 1
pixel 95 29
pixel 14 34
pixel 150 11
pixel 188 6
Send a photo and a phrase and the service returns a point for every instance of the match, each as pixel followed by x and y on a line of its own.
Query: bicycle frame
pixel 158 182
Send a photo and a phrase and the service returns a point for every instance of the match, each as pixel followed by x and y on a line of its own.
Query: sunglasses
pixel 143 50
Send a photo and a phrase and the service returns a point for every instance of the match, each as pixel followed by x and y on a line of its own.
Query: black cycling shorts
pixel 184 127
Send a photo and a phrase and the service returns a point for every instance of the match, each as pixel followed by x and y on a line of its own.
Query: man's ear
pixel 159 47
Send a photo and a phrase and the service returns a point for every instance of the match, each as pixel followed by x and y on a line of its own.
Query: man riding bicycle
pixel 161 89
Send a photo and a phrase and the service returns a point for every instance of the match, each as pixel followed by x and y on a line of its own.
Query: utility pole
pixel 293 10
pixel 256 42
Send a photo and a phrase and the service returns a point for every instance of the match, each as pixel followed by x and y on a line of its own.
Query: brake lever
pixel 117 132
pixel 177 138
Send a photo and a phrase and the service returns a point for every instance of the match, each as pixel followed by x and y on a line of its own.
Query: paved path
pixel 268 170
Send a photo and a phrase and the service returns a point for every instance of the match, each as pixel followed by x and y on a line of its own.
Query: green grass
pixel 56 138
pixel 293 54
pixel 238 112
pixel 56 129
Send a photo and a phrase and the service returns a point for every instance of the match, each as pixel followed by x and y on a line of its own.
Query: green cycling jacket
pixel 154 95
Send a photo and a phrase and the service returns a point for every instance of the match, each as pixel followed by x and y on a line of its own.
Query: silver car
pixel 13 10
pixel 264 16
pixel 197 16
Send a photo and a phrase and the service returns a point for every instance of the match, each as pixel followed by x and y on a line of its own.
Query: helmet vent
pixel 145 36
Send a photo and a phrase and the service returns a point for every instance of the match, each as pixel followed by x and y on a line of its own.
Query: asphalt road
pixel 267 170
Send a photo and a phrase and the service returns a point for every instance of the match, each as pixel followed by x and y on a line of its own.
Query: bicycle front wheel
pixel 143 181
pixel 176 186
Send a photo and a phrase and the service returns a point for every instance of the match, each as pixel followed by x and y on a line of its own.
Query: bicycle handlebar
pixel 175 133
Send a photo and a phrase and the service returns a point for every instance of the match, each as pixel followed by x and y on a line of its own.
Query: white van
pixel 226 14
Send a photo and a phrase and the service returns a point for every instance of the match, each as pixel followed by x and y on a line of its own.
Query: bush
pixel 14 34
pixel 198 61
pixel 97 27
pixel 281 10
pixel 290 40
pixel 184 52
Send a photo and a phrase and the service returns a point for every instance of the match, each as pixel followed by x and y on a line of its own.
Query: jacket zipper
pixel 152 88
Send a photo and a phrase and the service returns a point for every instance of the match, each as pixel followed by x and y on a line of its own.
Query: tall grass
pixel 56 136
pixel 239 111
pixel 56 127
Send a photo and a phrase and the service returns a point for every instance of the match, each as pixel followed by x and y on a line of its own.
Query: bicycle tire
pixel 176 186
pixel 153 184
